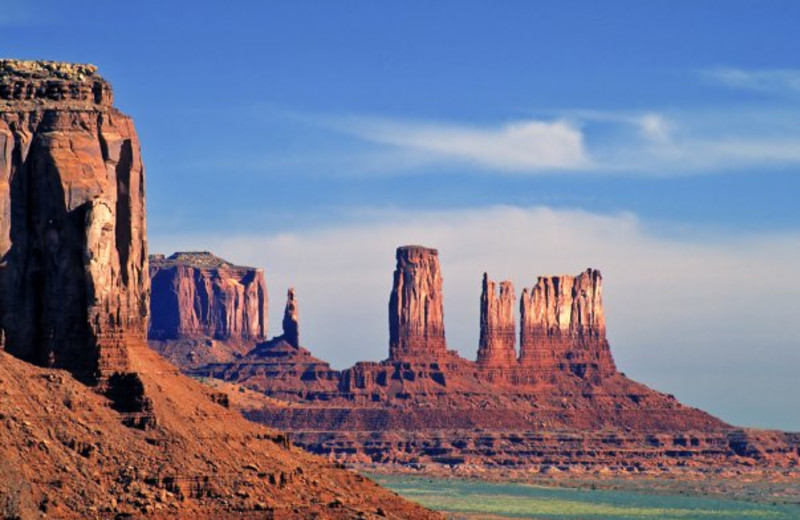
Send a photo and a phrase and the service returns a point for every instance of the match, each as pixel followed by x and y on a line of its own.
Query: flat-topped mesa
pixel 291 323
pixel 416 314
pixel 72 221
pixel 563 325
pixel 197 294
pixel 498 328
pixel 48 83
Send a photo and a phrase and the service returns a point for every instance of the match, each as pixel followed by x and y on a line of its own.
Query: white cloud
pixel 519 146
pixel 669 143
pixel 771 81
pixel 694 314
pixel 654 127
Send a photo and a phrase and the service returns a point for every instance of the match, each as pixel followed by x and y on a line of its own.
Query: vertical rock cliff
pixel 73 276
pixel 563 325
pixel 291 320
pixel 196 294
pixel 416 315
pixel 498 327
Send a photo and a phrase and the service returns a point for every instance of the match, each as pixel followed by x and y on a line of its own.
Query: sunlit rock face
pixel 73 268
pixel 498 328
pixel 416 314
pixel 562 325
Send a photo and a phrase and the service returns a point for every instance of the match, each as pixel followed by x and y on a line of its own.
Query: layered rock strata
pixel 73 281
pixel 562 326
pixel 416 311
pixel 205 309
pixel 565 405
pixel 497 347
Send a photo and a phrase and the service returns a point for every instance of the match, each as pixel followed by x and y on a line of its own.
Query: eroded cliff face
pixel 73 279
pixel 196 294
pixel 498 327
pixel 416 313
pixel 562 325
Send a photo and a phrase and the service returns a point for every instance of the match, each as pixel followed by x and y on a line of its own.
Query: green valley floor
pixel 475 499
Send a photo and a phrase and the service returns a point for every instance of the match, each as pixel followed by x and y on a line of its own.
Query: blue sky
pixel 662 138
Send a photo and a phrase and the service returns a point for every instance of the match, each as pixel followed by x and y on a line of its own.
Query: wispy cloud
pixel 773 81
pixel 647 143
pixel 679 307
pixel 517 146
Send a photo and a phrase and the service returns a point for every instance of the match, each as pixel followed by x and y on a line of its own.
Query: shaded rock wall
pixel 196 294
pixel 562 325
pixel 416 314
pixel 73 277
pixel 291 320
pixel 498 327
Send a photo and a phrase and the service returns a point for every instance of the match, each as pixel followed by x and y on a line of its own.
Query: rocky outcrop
pixel 498 334
pixel 196 294
pixel 562 326
pixel 416 314
pixel 280 364
pixel 291 320
pixel 73 281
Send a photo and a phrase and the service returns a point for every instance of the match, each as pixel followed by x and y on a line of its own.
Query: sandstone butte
pixel 558 403
pixel 93 424
pixel 204 309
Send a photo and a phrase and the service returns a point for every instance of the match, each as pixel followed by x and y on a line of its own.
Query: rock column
pixel 291 324
pixel 498 328
pixel 562 325
pixel 416 314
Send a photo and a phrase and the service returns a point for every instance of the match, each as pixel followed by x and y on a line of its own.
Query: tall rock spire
pixel 291 324
pixel 498 328
pixel 562 325
pixel 416 314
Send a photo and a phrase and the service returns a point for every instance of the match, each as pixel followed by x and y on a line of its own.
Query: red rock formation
pixel 291 324
pixel 278 364
pixel 74 292
pixel 562 326
pixel 199 294
pixel 498 329
pixel 72 229
pixel 416 315
pixel 567 405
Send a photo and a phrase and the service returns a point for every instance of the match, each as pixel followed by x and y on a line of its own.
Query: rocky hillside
pixel 66 452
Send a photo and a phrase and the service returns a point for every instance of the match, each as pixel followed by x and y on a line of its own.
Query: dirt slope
pixel 65 452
